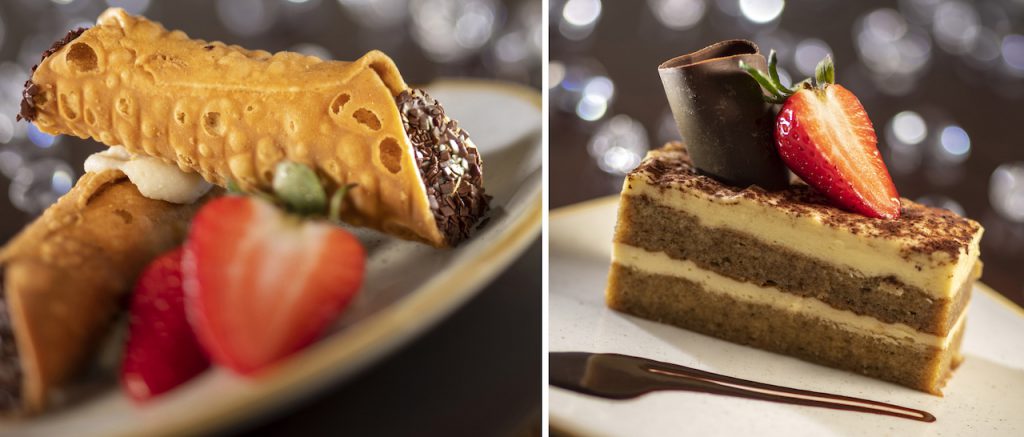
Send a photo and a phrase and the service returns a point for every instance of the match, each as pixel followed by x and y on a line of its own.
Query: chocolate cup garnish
pixel 720 112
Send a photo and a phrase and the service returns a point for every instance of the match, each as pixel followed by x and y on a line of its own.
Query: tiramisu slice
pixel 787 272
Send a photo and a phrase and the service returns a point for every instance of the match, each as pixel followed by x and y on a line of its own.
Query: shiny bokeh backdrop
pixel 942 80
pixel 499 39
pixel 428 39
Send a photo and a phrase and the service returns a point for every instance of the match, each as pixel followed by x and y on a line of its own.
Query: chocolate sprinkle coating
pixel 449 164
pixel 28 104
pixel 10 365
pixel 926 230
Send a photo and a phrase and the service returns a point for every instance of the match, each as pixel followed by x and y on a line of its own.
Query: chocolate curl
pixel 722 116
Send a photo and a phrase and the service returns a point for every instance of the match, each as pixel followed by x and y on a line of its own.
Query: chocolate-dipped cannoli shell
pixel 232 114
pixel 722 116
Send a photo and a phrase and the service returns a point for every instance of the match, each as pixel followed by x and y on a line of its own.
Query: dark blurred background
pixel 425 389
pixel 942 80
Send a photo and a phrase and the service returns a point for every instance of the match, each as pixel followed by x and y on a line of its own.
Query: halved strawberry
pixel 261 284
pixel 161 351
pixel 824 136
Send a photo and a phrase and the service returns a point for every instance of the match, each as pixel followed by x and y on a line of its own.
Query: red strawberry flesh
pixel 261 285
pixel 161 351
pixel 826 138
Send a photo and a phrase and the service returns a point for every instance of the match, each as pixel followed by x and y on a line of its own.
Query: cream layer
pixel 661 264
pixel 809 235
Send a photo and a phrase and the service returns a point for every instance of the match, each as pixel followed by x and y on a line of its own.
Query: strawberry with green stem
pixel 824 136
pixel 252 285
pixel 260 283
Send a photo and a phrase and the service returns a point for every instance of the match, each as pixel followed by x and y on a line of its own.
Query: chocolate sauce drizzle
pixel 28 95
pixel 10 365
pixel 616 376
pixel 448 162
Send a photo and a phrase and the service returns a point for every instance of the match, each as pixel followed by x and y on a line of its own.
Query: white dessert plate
pixel 408 288
pixel 984 397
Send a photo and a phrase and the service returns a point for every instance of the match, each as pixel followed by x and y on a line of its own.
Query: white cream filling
pixel 154 178
pixel 662 264
pixel 808 235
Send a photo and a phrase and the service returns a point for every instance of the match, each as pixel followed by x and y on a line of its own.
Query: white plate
pixel 408 288
pixel 984 397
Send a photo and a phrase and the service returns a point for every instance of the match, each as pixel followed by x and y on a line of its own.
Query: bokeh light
pixel 597 95
pixel 1012 50
pixel 39 184
pixel 10 160
pixel 808 53
pixel 578 18
pixel 678 14
pixel 904 136
pixel 762 11
pixel 619 144
pixel 956 26
pixel 889 47
pixel 909 127
pixel 591 108
pixel 451 30
pixel 6 129
pixel 377 13
pixel 247 17
pixel 40 138
pixel 955 144
pixel 581 87
pixel 1006 191
pixel 556 74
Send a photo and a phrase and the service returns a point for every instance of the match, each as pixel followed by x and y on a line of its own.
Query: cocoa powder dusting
pixel 927 230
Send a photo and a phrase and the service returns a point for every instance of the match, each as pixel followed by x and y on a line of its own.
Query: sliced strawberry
pixel 261 285
pixel 824 135
pixel 826 138
pixel 161 351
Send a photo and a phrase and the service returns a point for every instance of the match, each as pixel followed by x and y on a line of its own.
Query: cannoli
pixel 63 280
pixel 232 115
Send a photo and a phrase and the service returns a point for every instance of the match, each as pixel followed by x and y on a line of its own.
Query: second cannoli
pixel 64 278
